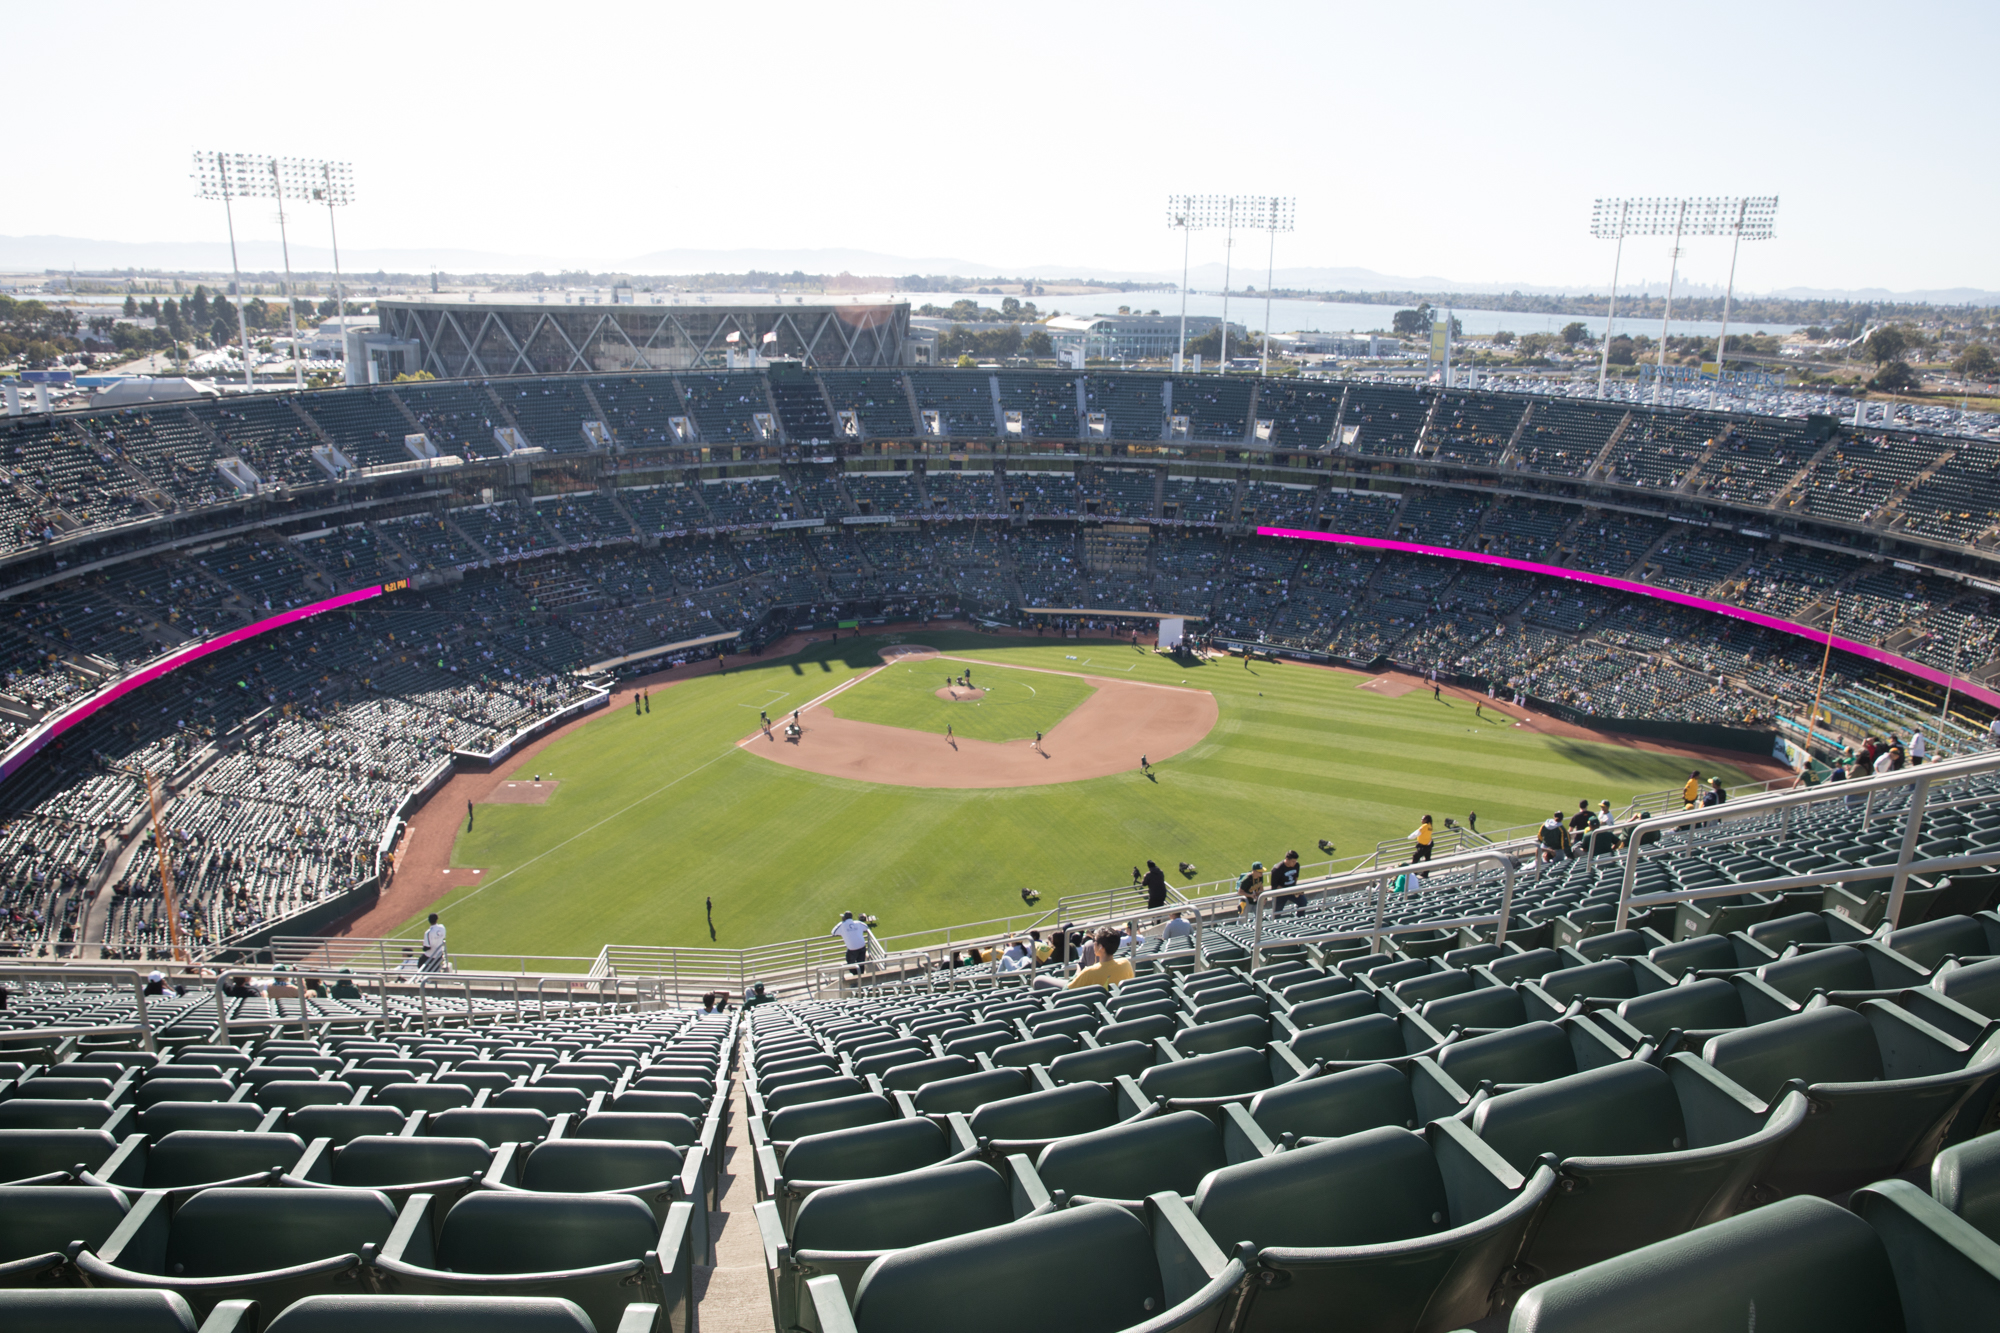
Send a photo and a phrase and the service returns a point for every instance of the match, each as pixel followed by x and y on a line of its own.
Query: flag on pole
pixel 734 337
pixel 771 337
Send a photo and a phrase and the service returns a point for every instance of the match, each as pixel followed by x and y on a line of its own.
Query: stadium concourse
pixel 296 609
pixel 1733 1059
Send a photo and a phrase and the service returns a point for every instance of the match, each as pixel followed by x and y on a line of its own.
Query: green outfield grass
pixel 658 812
pixel 1017 704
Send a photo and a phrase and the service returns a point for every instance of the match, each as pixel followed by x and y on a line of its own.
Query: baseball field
pixel 872 809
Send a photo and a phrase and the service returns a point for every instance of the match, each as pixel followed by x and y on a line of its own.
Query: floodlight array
pixel 234 176
pixel 1749 218
pixel 1198 212
pixel 317 181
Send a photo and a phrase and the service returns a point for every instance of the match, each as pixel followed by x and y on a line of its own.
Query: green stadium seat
pixel 49 1087
pixel 270 1246
pixel 396 1165
pixel 289 1093
pixel 968 1092
pixel 1697 1010
pixel 1327 1107
pixel 1040 1051
pixel 843 1229
pixel 52 1156
pixel 1143 1027
pixel 342 1124
pixel 188 1161
pixel 1030 1122
pixel 655 1173
pixel 1884 1087
pixel 1128 1162
pixel 451 1314
pixel 602 1251
pixel 1392 1229
pixel 799 1094
pixel 53 1113
pixel 1487 1009
pixel 1328 1009
pixel 1104 1063
pixel 797 1122
pixel 543 1097
pixel 492 1126
pixel 1110 1271
pixel 1644 1153
pixel 910 1076
pixel 163 1118
pixel 1800 1263
pixel 660 1103
pixel 1931 942
pixel 819 1160
pixel 1535 1052
pixel 1252 1030
pixel 55 1310
pixel 166 1089
pixel 427 1097
pixel 38 1222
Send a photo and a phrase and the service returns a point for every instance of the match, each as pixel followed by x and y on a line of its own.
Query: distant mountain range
pixel 35 254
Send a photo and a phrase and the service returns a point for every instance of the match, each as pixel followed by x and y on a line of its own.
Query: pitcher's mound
pixel 907 652
pixel 524 792
pixel 960 694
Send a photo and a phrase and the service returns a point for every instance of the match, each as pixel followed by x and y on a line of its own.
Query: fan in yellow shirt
pixel 1691 793
pixel 1107 970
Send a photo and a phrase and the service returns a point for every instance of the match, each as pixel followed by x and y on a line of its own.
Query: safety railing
pixel 940 967
pixel 497 986
pixel 327 953
pixel 69 974
pixel 1653 835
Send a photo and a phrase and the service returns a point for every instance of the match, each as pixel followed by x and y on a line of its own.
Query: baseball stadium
pixel 1234 848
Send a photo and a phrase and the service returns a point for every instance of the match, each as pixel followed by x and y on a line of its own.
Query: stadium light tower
pixel 1736 216
pixel 228 176
pixel 1273 215
pixel 332 184
pixel 1191 213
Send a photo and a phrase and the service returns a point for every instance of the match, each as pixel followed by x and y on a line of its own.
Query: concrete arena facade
pixel 476 339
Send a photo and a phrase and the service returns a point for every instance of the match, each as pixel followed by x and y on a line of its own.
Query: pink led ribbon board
pixel 1807 632
pixel 53 728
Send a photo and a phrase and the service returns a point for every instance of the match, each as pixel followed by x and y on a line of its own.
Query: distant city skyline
pixel 1451 140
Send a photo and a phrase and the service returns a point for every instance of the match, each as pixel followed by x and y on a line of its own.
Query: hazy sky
pixel 1459 140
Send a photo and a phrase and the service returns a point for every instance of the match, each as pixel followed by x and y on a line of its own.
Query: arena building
pixel 458 337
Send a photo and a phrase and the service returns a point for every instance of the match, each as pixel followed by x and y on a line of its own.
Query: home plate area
pixel 524 792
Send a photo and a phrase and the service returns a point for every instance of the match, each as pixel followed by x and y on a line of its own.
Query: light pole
pixel 1277 215
pixel 1740 217
pixel 332 184
pixel 1190 213
pixel 227 176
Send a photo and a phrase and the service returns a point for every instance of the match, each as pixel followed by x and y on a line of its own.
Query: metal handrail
pixel 70 972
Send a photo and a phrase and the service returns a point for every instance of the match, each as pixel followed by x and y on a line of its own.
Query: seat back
pixel 969 1091
pixel 25 1153
pixel 1229 1073
pixel 58 1310
pixel 1075 1108
pixel 1610 978
pixel 914 1073
pixel 429 1314
pixel 197 1156
pixel 1930 943
pixel 1040 1051
pixel 1334 1009
pixel 383 1160
pixel 1370 1037
pixel 44 1219
pixel 649 1127
pixel 819 1090
pixel 1837 968
pixel 1252 1030
pixel 163 1118
pixel 869 1150
pixel 1128 1162
pixel 1100 1259
pixel 1976 986
pixel 424 1096
pixel 343 1124
pixel 1692 1007
pixel 1491 1007
pixel 1105 1063
pixel 1622 1110
pixel 797 1122
pixel 1829 1045
pixel 491 1126
pixel 1368 1188
pixel 591 1166
pixel 1337 1104
pixel 1531 1053
pixel 660 1103
pixel 224 1232
pixel 1965 1178
pixel 544 1233
pixel 543 1097
pixel 1803 1263
pixel 907 1209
